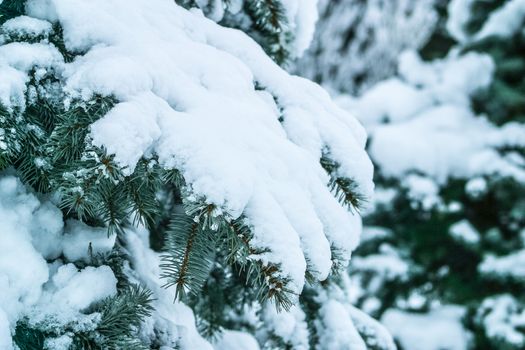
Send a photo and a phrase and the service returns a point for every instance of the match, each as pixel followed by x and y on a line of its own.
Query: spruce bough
pixel 204 250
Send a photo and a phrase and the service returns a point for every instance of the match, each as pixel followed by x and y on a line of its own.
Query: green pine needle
pixel 188 256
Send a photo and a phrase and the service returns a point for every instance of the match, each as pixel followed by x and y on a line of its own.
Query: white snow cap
pixel 431 103
pixel 187 87
pixel 442 328
pixel 30 232
pixel 503 22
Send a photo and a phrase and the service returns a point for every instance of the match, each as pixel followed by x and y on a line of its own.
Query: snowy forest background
pixel 131 174
pixel 440 88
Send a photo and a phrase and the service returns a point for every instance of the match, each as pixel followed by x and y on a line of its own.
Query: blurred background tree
pixel 440 87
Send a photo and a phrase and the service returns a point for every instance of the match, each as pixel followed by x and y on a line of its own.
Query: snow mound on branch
pixel 188 92
pixel 301 17
pixel 431 103
pixel 511 266
pixel 53 295
pixel 23 270
pixel 30 232
pixel 25 25
pixel 502 318
pixel 234 340
pixel 439 329
pixel 503 22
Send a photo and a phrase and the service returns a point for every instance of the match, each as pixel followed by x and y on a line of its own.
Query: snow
pixel 186 87
pixel 12 86
pixel 46 230
pixel 49 294
pixel 5 333
pixel 464 232
pixel 82 242
pixel 172 322
pixel 458 17
pixel 422 191
pixel 506 266
pixel 371 233
pixel 342 333
pixel 371 329
pixel 391 101
pixel 446 139
pixel 24 56
pixel 476 187
pixel 20 284
pixel 302 17
pixel 505 21
pixel 502 318
pixel 357 42
pixel 289 325
pixel 235 340
pixel 71 286
pixel 387 264
pixel 25 25
pixel 439 329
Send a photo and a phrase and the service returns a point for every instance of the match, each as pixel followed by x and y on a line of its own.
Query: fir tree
pixel 459 241
pixel 213 260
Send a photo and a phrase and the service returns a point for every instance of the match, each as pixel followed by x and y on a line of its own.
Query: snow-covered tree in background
pixel 148 153
pixel 357 42
pixel 446 236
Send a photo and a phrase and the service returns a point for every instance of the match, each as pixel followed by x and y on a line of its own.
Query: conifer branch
pixel 121 317
pixel 188 256
pixel 271 24
pixel 344 189
pixel 10 9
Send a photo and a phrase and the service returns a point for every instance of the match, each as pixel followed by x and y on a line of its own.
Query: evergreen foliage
pixel 119 319
pixel 444 269
pixel 207 255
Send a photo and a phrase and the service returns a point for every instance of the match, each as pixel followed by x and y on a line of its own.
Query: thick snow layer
pixel 23 270
pixel 302 17
pixel 16 59
pixel 436 330
pixel 25 25
pixel 46 230
pixel 82 242
pixel 510 266
pixel 290 326
pixel 234 340
pixel 464 232
pixel 446 139
pixel 502 318
pixel 342 326
pixel 371 329
pixel 458 17
pixel 188 95
pixel 340 331
pixel 505 21
pixel 31 231
pixel 72 289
